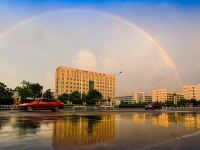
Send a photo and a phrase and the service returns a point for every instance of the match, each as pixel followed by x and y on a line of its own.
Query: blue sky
pixel 73 38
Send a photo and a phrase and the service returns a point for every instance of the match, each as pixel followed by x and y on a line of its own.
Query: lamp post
pixel 118 84
pixel 82 84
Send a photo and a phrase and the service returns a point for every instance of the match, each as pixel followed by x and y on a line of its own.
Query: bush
pixel 6 101
pixel 132 106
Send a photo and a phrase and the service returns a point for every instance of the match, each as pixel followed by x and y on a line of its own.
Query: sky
pixel 155 43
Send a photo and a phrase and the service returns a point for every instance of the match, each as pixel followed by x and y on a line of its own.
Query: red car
pixel 44 104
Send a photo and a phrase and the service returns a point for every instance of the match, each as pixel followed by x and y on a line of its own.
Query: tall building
pixel 70 79
pixel 162 95
pixel 138 97
pixel 191 92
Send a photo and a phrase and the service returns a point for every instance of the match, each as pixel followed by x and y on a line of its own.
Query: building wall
pixel 162 95
pixel 138 97
pixel 125 99
pixel 148 98
pixel 69 79
pixel 191 92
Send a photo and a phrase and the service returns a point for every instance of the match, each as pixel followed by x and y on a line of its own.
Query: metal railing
pixel 180 108
pixel 9 107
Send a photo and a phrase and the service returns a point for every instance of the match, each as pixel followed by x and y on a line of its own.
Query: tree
pixel 64 97
pixel 94 96
pixel 48 94
pixel 194 102
pixel 5 92
pixel 24 92
pixel 76 97
pixel 32 90
pixel 36 89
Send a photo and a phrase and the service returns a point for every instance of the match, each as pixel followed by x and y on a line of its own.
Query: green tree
pixel 76 97
pixel 193 102
pixel 5 92
pixel 94 96
pixel 32 90
pixel 169 103
pixel 24 92
pixel 64 97
pixel 48 94
pixel 36 89
pixel 182 102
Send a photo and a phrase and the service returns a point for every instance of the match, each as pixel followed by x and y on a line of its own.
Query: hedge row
pixel 131 106
pixel 6 101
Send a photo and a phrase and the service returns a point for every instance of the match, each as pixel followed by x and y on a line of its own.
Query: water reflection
pixel 111 131
pixel 77 131
pixel 28 125
pixel 191 120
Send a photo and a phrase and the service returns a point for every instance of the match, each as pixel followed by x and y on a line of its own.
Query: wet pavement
pixel 99 130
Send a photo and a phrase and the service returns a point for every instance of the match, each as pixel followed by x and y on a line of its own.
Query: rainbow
pixel 164 53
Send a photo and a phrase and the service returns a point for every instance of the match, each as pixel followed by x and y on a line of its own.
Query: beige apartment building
pixel 166 95
pixel 161 95
pixel 191 92
pixel 71 79
pixel 138 97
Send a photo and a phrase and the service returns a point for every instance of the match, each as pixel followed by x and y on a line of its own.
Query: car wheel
pixel 29 108
pixel 55 109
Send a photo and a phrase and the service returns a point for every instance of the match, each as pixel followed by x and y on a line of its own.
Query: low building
pixel 125 99
pixel 148 98
pixel 162 95
pixel 138 97
pixel 191 92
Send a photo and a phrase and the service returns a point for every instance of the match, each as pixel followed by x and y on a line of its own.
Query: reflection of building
pixel 138 97
pixel 70 79
pixel 138 117
pixel 168 119
pixel 191 92
pixel 161 120
pixel 162 95
pixel 83 131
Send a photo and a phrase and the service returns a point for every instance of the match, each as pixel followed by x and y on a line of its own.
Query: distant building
pixel 70 79
pixel 162 95
pixel 177 97
pixel 138 97
pixel 125 99
pixel 191 92
pixel 148 98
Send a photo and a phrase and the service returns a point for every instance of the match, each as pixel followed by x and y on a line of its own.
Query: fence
pixel 181 108
pixel 8 107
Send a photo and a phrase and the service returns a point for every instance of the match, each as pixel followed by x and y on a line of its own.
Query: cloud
pixel 85 59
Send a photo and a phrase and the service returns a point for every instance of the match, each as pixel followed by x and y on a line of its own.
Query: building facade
pixel 138 97
pixel 191 92
pixel 125 99
pixel 148 98
pixel 161 95
pixel 69 79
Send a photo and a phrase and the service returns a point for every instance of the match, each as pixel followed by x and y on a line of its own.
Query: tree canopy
pixel 5 92
pixel 48 94
pixel 27 89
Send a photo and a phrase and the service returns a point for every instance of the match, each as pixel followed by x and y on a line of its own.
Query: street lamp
pixel 118 84
pixel 82 84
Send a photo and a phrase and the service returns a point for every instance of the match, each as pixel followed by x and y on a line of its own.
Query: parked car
pixel 153 106
pixel 43 104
